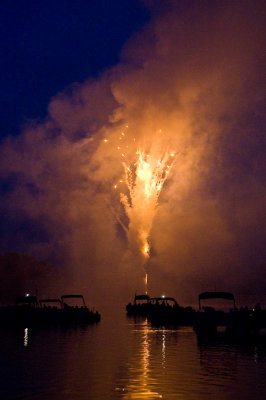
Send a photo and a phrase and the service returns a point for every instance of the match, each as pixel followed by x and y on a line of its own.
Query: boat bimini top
pixel 73 296
pixel 216 295
pixel 50 301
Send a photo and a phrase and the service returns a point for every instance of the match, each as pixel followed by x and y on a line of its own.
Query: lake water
pixel 120 358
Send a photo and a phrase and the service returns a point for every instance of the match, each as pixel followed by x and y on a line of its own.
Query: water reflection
pixel 163 348
pixel 26 337
pixel 218 360
pixel 172 363
pixel 238 368
pixel 125 359
pixel 142 380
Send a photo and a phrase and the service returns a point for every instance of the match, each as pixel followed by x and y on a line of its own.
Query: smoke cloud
pixel 191 81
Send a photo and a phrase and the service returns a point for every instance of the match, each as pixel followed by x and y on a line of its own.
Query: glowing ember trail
pixel 144 178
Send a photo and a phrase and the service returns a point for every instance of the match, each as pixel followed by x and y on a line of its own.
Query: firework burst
pixel 144 177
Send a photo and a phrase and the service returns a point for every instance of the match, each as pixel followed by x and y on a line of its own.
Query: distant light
pixel 27 295
pixel 163 296
pixel 105 140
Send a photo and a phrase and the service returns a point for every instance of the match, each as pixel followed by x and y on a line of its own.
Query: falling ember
pixel 146 283
pixel 144 178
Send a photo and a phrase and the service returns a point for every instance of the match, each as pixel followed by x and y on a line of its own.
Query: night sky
pixel 180 76
pixel 48 45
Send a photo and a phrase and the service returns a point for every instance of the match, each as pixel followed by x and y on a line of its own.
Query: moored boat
pixel 208 319
pixel 243 322
pixel 166 311
pixel 28 310
pixel 78 313
pixel 140 306
pixel 161 310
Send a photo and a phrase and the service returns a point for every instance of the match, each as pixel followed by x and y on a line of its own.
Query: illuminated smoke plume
pixel 144 177
pixel 196 71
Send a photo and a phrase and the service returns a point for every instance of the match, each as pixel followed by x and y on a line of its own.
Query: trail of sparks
pixel 144 177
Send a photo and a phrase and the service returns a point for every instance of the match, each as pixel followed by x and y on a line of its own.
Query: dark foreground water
pixel 120 358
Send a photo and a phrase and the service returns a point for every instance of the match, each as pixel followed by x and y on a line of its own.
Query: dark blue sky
pixel 45 45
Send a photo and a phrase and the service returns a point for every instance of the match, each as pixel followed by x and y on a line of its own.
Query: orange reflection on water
pixel 140 386
pixel 26 337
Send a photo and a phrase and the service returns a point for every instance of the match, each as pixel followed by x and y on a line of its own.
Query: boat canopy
pixel 30 300
pixel 142 297
pixel 216 295
pixel 165 299
pixel 74 296
pixel 42 301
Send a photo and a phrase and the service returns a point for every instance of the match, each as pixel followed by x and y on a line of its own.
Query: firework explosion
pixel 144 177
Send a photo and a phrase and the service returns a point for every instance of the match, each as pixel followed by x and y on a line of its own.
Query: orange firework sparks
pixel 144 178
